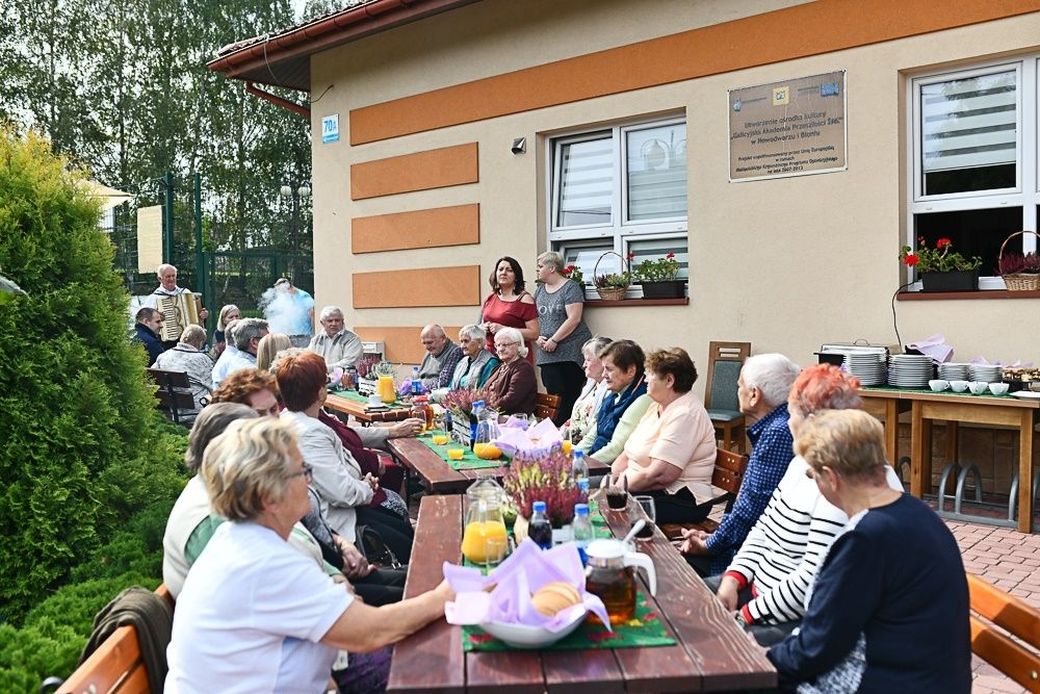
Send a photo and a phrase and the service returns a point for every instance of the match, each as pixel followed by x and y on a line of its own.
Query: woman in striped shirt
pixel 770 577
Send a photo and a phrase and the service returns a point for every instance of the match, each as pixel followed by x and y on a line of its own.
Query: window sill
pixel 981 294
pixel 685 301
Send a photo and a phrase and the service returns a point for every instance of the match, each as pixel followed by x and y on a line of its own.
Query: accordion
pixel 178 313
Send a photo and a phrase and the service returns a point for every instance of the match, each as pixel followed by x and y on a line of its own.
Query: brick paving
pixel 1008 559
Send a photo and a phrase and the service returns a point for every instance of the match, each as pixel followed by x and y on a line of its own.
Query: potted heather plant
pixel 544 477
pixel 659 278
pixel 611 286
pixel 940 268
pixel 1020 272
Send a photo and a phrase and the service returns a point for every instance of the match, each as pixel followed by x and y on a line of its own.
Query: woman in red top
pixel 509 305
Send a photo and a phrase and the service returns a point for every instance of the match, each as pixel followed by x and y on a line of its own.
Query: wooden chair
pixel 116 666
pixel 1008 654
pixel 174 395
pixel 728 475
pixel 546 405
pixel 725 360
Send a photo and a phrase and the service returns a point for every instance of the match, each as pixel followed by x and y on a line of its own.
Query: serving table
pixel 712 652
pixel 926 407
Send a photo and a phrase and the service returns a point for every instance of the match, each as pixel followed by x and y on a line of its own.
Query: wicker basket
pixel 610 293
pixel 1019 282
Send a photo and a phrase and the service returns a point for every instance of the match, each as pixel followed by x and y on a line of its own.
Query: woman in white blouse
pixel 583 414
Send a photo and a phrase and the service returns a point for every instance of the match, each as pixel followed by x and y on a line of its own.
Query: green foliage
pixel 79 423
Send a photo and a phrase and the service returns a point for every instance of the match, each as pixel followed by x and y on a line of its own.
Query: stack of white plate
pixel 868 368
pixel 987 373
pixel 954 371
pixel 910 370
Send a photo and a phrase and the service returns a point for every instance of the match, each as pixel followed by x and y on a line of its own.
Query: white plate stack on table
pixel 954 371
pixel 868 367
pixel 910 370
pixel 985 373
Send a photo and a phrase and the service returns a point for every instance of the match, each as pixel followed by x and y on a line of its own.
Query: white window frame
pixel 1026 192
pixel 620 230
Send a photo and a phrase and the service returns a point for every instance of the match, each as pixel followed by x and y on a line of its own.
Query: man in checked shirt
pixel 765 380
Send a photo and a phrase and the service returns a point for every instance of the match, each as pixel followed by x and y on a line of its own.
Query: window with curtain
pixel 974 138
pixel 619 189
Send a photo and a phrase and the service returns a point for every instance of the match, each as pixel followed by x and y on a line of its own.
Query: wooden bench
pixel 728 475
pixel 174 395
pixel 1020 621
pixel 116 666
pixel 546 405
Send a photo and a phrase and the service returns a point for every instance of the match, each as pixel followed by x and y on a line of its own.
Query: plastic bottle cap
pixel 538 507
pixel 581 509
pixel 579 454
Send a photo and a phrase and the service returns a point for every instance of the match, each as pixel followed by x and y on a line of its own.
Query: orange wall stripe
pixel 444 226
pixel 434 168
pixel 814 28
pixel 436 286
pixel 402 344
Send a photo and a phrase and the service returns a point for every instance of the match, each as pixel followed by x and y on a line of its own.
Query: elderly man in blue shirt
pixel 765 380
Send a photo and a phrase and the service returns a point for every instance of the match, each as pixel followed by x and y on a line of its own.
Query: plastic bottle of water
pixel 540 529
pixel 417 387
pixel 579 467
pixel 478 413
pixel 582 528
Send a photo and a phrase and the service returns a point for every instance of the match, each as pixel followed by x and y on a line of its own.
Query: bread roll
pixel 554 597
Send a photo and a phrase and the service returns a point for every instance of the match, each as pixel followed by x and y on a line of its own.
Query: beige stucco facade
pixel 786 264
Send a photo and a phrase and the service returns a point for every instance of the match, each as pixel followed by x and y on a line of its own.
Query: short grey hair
pixel 513 335
pixel 593 347
pixel 329 311
pixel 229 331
pixel 248 466
pixel 473 332
pixel 248 329
pixel 210 424
pixel 773 374
pixel 551 258
pixel 194 335
pixel 163 268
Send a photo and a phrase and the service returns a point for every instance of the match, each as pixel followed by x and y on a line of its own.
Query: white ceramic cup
pixel 958 386
pixel 998 388
pixel 938 385
pixel 979 387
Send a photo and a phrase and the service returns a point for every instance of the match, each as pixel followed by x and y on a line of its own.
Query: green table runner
pixel 357 397
pixel 643 631
pixel 469 459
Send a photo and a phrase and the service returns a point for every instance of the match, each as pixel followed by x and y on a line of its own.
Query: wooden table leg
pixel 916 451
pixel 1025 473
pixel 892 430
pixel 951 453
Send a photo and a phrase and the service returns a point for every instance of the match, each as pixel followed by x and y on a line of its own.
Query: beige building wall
pixel 785 264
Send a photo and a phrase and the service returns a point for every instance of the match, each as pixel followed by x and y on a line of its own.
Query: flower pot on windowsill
pixel 955 281
pixel 664 289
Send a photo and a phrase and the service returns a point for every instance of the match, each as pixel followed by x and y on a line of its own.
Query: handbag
pixel 370 543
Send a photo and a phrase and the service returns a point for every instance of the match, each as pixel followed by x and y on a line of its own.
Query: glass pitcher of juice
pixel 484 538
pixel 487 431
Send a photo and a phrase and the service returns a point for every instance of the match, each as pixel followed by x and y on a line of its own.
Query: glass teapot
pixel 611 576
pixel 484 539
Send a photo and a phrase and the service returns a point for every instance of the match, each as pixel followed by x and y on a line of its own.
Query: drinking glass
pixel 644 506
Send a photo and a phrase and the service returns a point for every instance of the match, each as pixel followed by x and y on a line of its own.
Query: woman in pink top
pixel 671 453
pixel 509 305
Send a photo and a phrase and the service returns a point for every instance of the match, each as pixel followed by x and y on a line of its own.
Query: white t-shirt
pixel 250 617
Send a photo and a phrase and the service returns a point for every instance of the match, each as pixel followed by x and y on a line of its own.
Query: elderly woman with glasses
pixel 513 388
pixel 477 364
pixel 624 404
pixel 255 615
pixel 889 609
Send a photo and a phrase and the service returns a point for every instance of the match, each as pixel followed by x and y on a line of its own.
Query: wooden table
pixel 357 409
pixel 712 652
pixel 957 408
pixel 440 478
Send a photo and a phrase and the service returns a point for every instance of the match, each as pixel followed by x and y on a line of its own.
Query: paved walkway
pixel 1009 560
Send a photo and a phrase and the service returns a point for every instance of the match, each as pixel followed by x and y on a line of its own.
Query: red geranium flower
pixel 631 255
pixel 911 259
pixel 670 256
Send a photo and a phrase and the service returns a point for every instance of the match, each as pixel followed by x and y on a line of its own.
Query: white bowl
pixel 998 388
pixel 979 387
pixel 938 385
pixel 523 636
pixel 958 386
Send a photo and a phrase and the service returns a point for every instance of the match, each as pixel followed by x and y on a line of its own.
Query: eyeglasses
pixel 306 471
pixel 500 345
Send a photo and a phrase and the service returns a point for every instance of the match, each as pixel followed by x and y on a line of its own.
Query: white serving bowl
pixel 523 636
pixel 998 388
pixel 958 386
pixel 938 385
pixel 979 387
